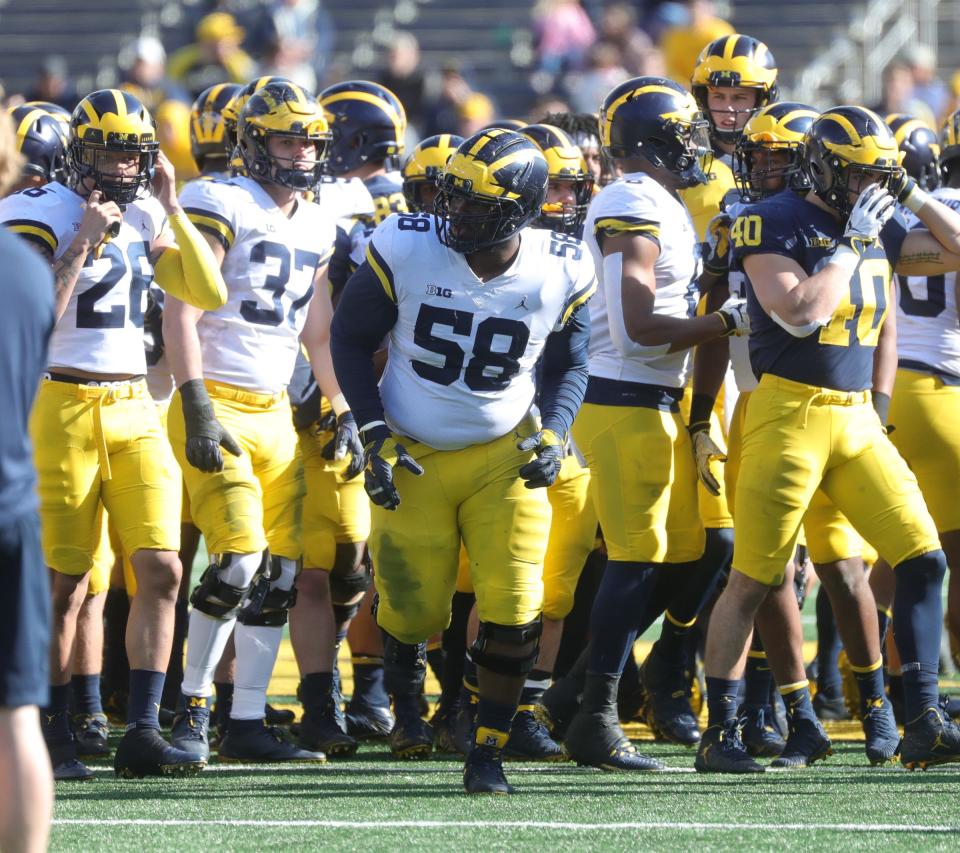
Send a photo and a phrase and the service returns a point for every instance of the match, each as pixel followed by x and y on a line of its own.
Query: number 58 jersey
pixel 269 267
pixel 462 351
pixel 101 330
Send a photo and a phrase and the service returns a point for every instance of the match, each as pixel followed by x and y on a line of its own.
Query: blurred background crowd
pixel 457 65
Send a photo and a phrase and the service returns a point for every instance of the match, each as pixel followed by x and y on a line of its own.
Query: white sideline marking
pixel 514 824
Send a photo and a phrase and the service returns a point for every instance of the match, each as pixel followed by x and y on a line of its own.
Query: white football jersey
pixel 343 197
pixel 269 267
pixel 460 369
pixel 636 203
pixel 927 331
pixel 101 330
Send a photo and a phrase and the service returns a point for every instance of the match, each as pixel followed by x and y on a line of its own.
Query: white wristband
pixel 339 405
pixel 917 199
pixel 845 258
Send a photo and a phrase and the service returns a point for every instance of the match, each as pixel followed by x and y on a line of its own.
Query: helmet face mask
pixel 682 149
pixel 424 166
pixel 468 224
pixel 770 154
pixel 567 217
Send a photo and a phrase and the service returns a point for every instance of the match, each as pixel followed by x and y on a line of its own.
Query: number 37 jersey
pixel 101 330
pixel 269 268
pixel 462 351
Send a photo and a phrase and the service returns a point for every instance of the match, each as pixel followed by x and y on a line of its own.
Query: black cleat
pixel 758 733
pixel 558 707
pixel 319 732
pixel 722 751
pixel 266 744
pixel 463 728
pixel 530 741
pixel 950 706
pixel 929 740
pixel 443 722
pixel 367 722
pixel 667 708
pixel 142 752
pixel 807 743
pixel 596 740
pixel 278 716
pixel 411 738
pixel 66 767
pixel 880 729
pixel 483 772
pixel 830 708
pixel 191 725
pixel 91 732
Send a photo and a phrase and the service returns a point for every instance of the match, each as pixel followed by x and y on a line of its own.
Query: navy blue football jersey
pixel 839 355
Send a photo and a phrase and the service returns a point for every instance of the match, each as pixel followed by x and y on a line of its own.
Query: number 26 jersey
pixel 269 267
pixel 462 351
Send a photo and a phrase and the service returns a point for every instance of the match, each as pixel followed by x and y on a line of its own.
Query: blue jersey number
pixel 88 317
pixel 489 369
pixel 276 284
pixel 932 306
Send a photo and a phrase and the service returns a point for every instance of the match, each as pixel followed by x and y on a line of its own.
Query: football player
pixel 423 167
pixel 231 366
pixel 818 275
pixel 42 142
pixel 645 248
pixel 453 453
pixel 108 239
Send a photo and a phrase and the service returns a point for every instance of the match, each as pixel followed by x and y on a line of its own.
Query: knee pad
pixel 348 584
pixel 404 665
pixel 273 596
pixel 488 650
pixel 225 583
pixel 343 613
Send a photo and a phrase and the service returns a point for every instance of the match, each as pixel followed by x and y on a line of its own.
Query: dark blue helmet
pixel 920 147
pixel 42 141
pixel 493 185
pixel 368 124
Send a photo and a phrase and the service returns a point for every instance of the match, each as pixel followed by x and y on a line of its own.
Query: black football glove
pixel 205 435
pixel 383 455
pixel 346 440
pixel 906 191
pixel 542 471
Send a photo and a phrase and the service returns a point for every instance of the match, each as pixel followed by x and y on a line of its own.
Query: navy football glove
pixel 542 471
pixel 205 435
pixel 383 455
pixel 346 440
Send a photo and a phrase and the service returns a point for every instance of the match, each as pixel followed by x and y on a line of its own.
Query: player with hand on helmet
pixel 462 401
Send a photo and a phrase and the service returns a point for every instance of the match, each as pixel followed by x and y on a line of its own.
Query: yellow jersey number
pixel 746 231
pixel 384 205
pixel 862 311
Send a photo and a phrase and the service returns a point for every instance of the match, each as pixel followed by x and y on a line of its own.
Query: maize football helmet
pixel 493 185
pixel 846 141
pixel 61 114
pixel 736 61
pixel 657 119
pixel 232 108
pixel 42 141
pixel 110 121
pixel 282 110
pixel 565 165
pixel 779 127
pixel 368 124
pixel 920 147
pixel 207 126
pixel 424 167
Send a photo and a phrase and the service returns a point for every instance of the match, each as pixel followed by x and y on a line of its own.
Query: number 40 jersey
pixel 101 330
pixel 269 267
pixel 462 351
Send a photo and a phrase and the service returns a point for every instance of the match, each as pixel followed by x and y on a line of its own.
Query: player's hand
pixel 542 471
pixel 205 434
pixel 717 260
pixel 346 440
pixel 705 450
pixel 383 455
pixel 873 208
pixel 736 319
pixel 906 190
pixel 100 219
pixel 164 185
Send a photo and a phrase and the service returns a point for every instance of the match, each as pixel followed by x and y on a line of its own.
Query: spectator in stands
pixel 215 57
pixel 404 77
pixel 146 75
pixel 682 45
pixel 442 110
pixel 564 34
pixel 294 38
pixel 476 112
pixel 587 89
pixel 618 26
pixel 547 105
pixel 897 94
pixel 927 86
pixel 52 84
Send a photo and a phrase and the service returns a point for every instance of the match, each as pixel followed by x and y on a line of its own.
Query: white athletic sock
pixel 206 640
pixel 257 648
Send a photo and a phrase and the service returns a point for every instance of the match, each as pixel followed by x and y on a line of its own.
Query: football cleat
pixel 880 728
pixel 443 722
pixel 411 738
pixel 830 708
pixel 191 727
pixel 265 743
pixel 929 740
pixel 950 706
pixel 278 716
pixel 483 772
pixel 758 733
pixel 596 740
pixel 530 741
pixel 66 767
pixel 806 744
pixel 91 732
pixel 464 725
pixel 320 732
pixel 559 705
pixel 722 751
pixel 667 709
pixel 366 722
pixel 142 752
